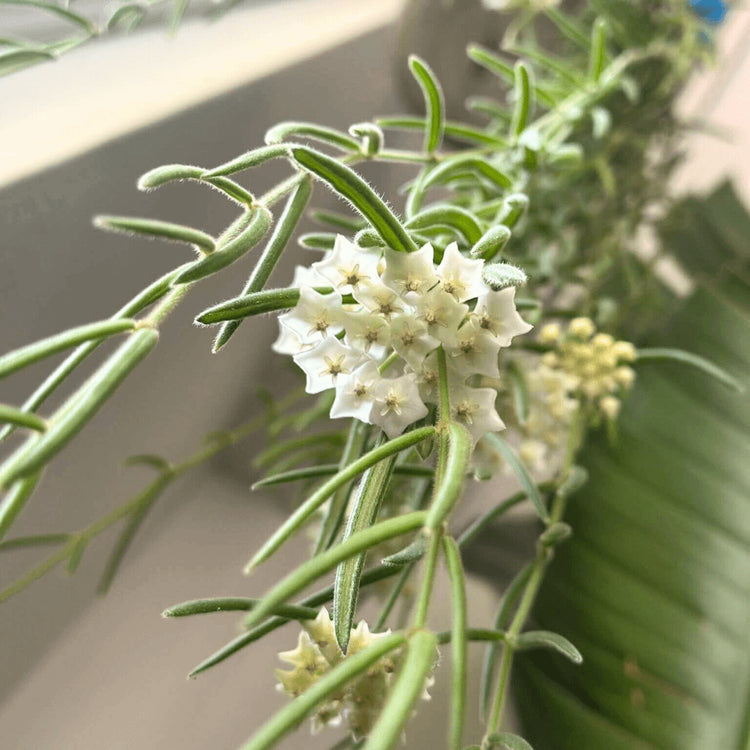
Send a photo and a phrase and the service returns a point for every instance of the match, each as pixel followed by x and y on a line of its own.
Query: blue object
pixel 711 11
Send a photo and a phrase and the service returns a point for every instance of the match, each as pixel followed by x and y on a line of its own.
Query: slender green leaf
pixel 367 500
pixel 59 10
pixel 546 639
pixel 79 408
pixel 325 561
pixel 31 353
pixel 459 164
pixel 317 240
pixel 18 59
pixel 337 220
pixel 250 159
pixel 419 661
pixel 514 208
pixel 271 254
pixel 347 670
pixel 449 489
pixel 243 235
pixel 284 130
pixel 660 354
pixel 524 99
pixel 22 418
pixel 409 554
pixel 347 183
pixel 458 642
pixel 164 230
pixel 434 102
pixel 371 135
pixel 236 604
pixel 527 483
pixel 454 217
pixel 598 51
pixel 38 540
pixel 304 511
pixel 167 173
pixel 451 129
pixel 491 243
pixel 15 500
pixel 520 392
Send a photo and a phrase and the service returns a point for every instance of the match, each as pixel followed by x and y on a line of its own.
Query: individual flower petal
pixel 475 409
pixel 460 276
pixel 347 266
pixel 397 404
pixel 288 342
pixel 367 331
pixel 496 313
pixel 315 316
pixel 442 314
pixel 306 276
pixel 410 273
pixel 475 351
pixel 411 339
pixel 355 393
pixel 325 363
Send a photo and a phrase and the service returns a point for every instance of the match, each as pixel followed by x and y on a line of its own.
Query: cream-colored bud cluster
pixel 595 363
pixel 357 704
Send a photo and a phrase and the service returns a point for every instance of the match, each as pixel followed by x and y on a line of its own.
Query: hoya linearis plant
pixel 414 330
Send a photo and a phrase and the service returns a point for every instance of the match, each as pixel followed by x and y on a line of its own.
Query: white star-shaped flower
pixel 410 273
pixel 367 331
pixel 475 409
pixel 347 267
pixel 475 351
pixel 460 276
pixel 378 298
pixel 411 338
pixel 355 393
pixel 441 313
pixel 326 363
pixel 496 313
pixel 315 316
pixel 397 404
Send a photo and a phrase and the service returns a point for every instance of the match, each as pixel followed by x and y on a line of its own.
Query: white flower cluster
pixel 374 338
pixel 358 703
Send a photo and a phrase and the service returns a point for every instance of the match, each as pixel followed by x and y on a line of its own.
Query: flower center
pixel 334 366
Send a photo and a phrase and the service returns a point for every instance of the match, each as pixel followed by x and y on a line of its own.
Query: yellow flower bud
pixel 610 406
pixel 602 341
pixel 549 333
pixel 624 350
pixel 625 376
pixel 582 328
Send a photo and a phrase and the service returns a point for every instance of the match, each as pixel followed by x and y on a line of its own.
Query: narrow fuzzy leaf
pixel 546 639
pixel 502 275
pixel 458 642
pixel 434 102
pixel 243 235
pixel 514 208
pixel 37 540
pixel 409 554
pixel 257 303
pixel 449 490
pixel 598 51
pixel 457 165
pixel 491 61
pixel 18 59
pixel 491 243
pixel 371 135
pixel 452 216
pixel 160 229
pixel 167 173
pixel 347 670
pixel 337 220
pixel 452 129
pixel 317 240
pixel 283 130
pixel 658 354
pixel 325 561
pixel 529 485
pixel 22 418
pixel 79 408
pixel 523 104
pixel 304 511
pixel 236 604
pixel 15 500
pixel 419 660
pixel 347 183
pixel 285 226
pixel 250 159
pixel 367 500
pixel 31 353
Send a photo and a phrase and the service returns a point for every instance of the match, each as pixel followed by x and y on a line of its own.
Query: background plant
pixel 603 107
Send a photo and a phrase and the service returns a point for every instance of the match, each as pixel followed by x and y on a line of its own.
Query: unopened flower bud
pixel 550 333
pixel 582 328
pixel 624 350
pixel 610 406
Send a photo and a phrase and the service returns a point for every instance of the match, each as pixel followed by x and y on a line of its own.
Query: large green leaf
pixel 654 586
